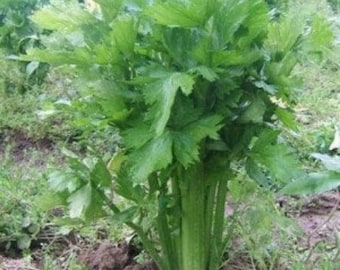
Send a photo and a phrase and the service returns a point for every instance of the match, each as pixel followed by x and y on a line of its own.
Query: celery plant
pixel 194 87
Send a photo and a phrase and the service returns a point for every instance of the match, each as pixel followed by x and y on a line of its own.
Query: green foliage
pixel 317 182
pixel 280 165
pixel 20 222
pixel 335 4
pixel 84 188
pixel 316 110
pixel 265 232
pixel 278 4
pixel 24 115
pixel 195 89
pixel 17 34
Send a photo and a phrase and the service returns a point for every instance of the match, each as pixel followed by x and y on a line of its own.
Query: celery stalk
pixel 193 219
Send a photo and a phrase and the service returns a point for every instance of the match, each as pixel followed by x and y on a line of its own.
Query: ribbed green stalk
pixel 176 192
pixel 193 219
pixel 168 251
pixel 217 243
pixel 209 214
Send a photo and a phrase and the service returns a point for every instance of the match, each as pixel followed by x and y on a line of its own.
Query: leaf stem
pixel 193 218
pixel 217 247
pixel 148 245
pixel 169 253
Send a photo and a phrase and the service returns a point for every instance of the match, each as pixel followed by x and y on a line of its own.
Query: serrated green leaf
pixel 62 181
pixel 256 173
pixel 235 57
pixel 79 56
pixel 178 43
pixel 256 23
pixel 100 175
pixel 137 136
pixel 254 112
pixel 124 34
pixel 205 127
pixel 161 95
pixel 49 200
pixel 266 87
pixel 126 215
pixel 283 36
pixel 286 118
pixel 278 159
pixel 127 189
pixel 184 81
pixel 206 72
pixel 186 142
pixel 112 106
pixel 154 155
pixel 109 8
pixel 62 16
pixel 186 149
pixel 106 54
pixel 176 14
pixel 95 209
pixel 79 168
pixel 240 190
pixel 267 137
pixel 320 36
pixel 229 18
pixel 79 201
pixel 312 184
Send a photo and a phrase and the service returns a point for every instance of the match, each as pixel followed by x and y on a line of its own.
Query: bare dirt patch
pixel 16 264
pixel 319 218
pixel 107 256
pixel 21 143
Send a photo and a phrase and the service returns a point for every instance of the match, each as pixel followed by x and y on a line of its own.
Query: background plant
pixel 21 221
pixel 196 92
pixel 335 4
pixel 18 105
pixel 17 34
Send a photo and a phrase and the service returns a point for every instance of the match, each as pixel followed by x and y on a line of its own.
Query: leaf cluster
pixel 184 74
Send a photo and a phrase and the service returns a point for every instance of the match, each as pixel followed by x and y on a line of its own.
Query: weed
pixel 22 185
pixel 20 223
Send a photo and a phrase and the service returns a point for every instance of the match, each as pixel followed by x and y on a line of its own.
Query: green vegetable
pixel 195 89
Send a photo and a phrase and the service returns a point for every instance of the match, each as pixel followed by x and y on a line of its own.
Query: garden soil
pixel 318 216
